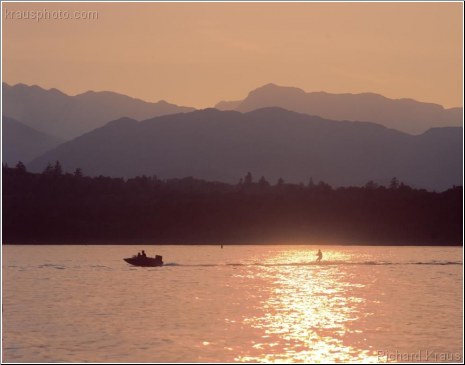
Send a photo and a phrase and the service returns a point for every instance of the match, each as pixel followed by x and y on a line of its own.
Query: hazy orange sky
pixel 200 53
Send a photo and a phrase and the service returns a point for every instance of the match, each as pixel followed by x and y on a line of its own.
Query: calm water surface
pixel 236 304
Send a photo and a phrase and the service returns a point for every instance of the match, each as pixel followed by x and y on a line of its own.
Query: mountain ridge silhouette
pixel 272 142
pixel 405 114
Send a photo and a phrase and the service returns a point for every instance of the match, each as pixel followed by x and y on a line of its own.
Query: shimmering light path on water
pixel 239 303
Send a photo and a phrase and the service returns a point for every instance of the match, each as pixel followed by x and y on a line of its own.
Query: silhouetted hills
pixel 406 115
pixel 271 142
pixel 22 143
pixel 55 113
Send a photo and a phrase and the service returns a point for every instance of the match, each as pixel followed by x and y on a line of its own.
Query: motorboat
pixel 145 261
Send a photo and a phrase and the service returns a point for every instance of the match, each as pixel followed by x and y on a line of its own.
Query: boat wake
pixel 324 263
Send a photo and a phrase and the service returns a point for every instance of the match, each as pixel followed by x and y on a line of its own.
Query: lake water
pixel 239 303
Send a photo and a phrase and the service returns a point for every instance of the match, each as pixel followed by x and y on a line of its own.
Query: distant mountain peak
pixel 56 113
pixel 30 87
pixel 407 115
pixel 88 92
pixel 272 87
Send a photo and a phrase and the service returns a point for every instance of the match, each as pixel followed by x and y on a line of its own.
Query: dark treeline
pixel 54 207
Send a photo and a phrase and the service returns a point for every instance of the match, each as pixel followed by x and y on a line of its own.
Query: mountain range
pixel 405 115
pixel 56 113
pixel 271 142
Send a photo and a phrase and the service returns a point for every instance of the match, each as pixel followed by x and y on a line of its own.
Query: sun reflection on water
pixel 310 315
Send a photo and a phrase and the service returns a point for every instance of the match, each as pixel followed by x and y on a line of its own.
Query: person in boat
pixel 143 254
pixel 319 256
pixel 139 255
